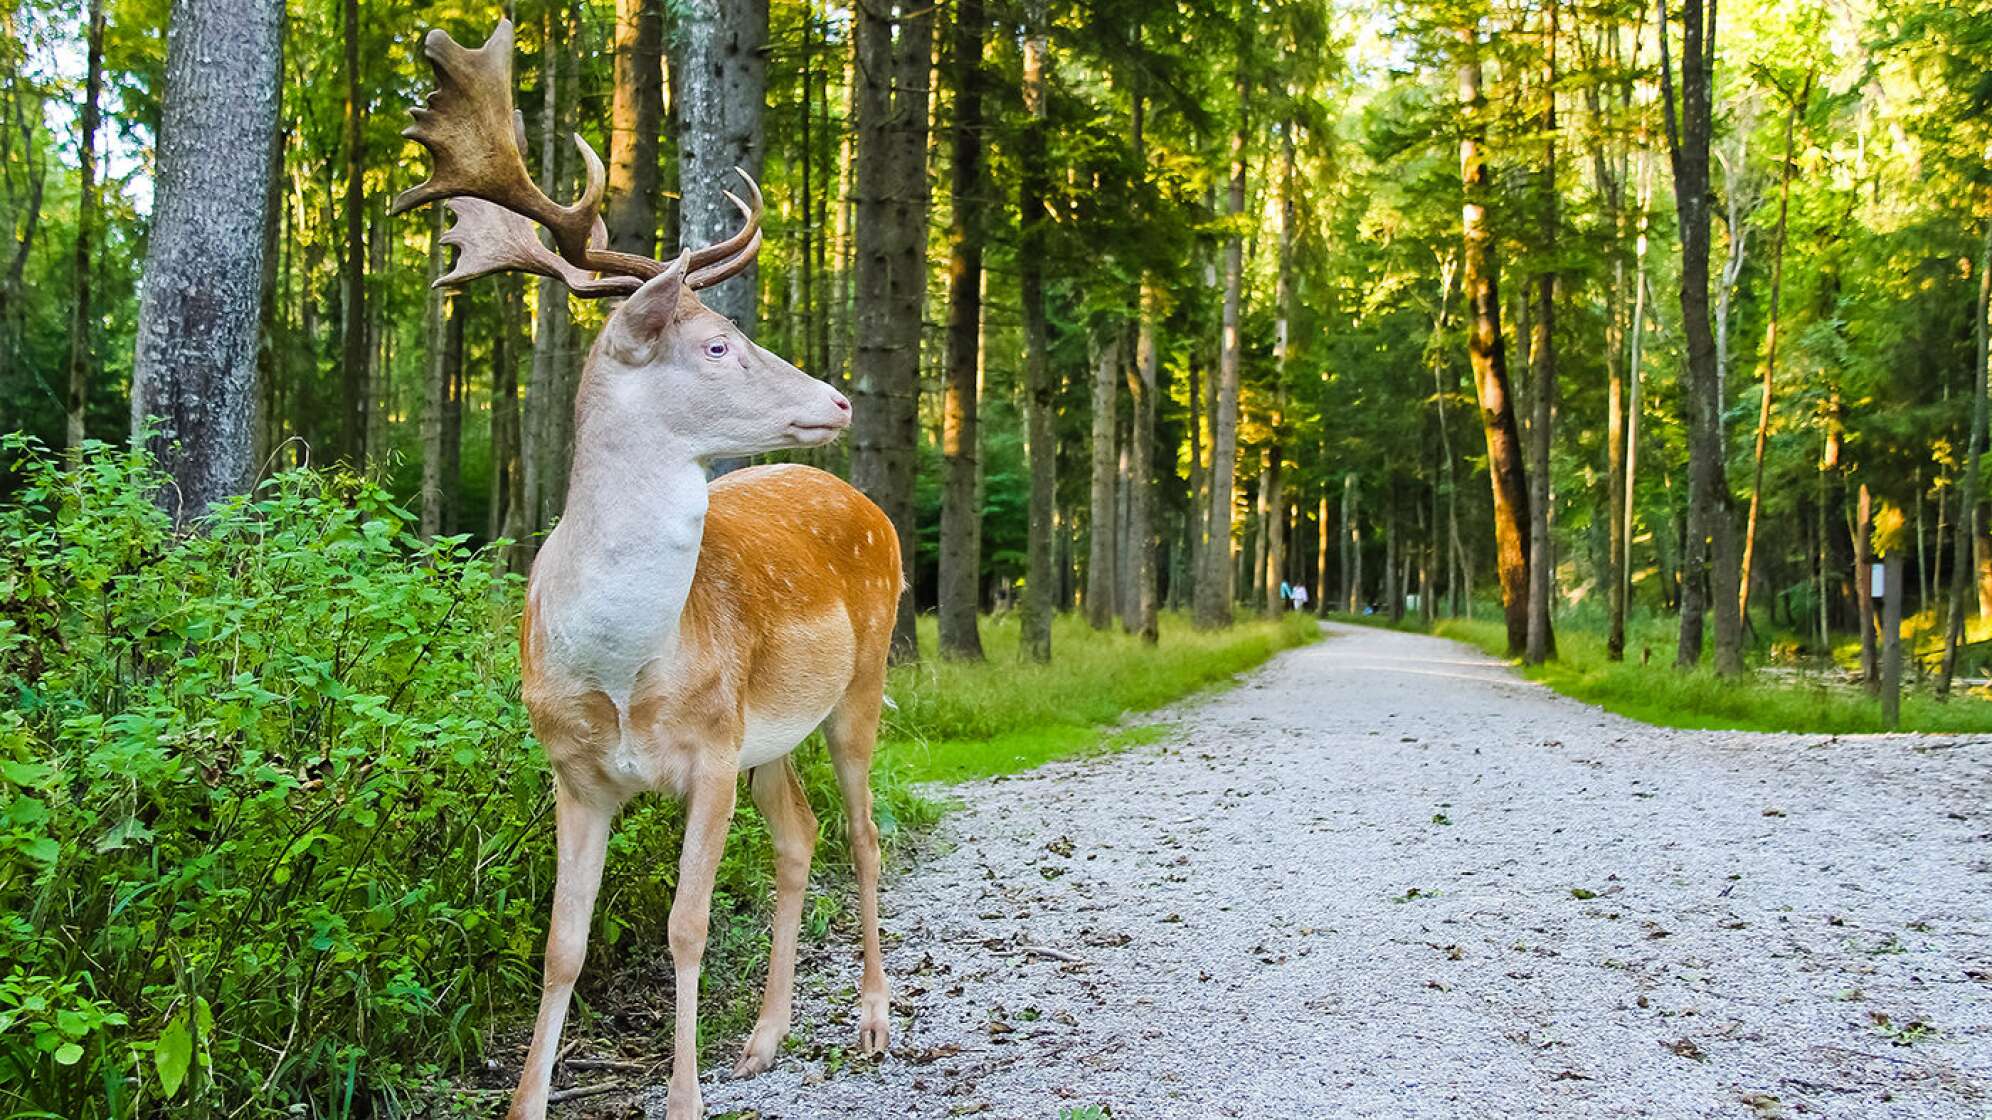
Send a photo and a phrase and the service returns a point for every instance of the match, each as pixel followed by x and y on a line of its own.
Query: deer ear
pixel 649 314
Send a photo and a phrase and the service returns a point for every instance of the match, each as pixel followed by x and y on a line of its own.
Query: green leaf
pixel 68 1054
pixel 171 1054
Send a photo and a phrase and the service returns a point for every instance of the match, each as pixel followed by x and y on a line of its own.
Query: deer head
pixel 665 365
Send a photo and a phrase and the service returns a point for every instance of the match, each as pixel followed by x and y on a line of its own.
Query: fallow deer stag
pixel 675 634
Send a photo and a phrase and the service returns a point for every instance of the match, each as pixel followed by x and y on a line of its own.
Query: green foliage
pixel 270 809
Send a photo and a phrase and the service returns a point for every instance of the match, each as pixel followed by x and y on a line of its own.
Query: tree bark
pixel 1709 568
pixel 82 323
pixel 353 298
pixel 1100 557
pixel 891 190
pixel 195 366
pixel 1771 357
pixel 722 68
pixel 507 494
pixel 1142 381
pixel 1486 353
pixel 1968 527
pixel 636 117
pixel 451 470
pixel 1274 483
pixel 1542 358
pixel 1214 592
pixel 1352 544
pixel 1863 531
pixel 961 562
pixel 544 399
pixel 434 389
pixel 1040 388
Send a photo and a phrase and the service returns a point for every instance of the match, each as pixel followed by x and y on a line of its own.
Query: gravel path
pixel 1386 877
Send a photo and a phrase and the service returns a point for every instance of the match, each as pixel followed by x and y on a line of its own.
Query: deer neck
pixel 625 552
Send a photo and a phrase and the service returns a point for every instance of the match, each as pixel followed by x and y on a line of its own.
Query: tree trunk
pixel 722 68
pixel 1863 531
pixel 1393 592
pixel 434 388
pixel 451 469
pixel 544 400
pixel 636 117
pixel 507 494
pixel 1141 388
pixel 1771 358
pixel 961 563
pixel 82 323
pixel 353 298
pixel 1100 562
pixel 1273 485
pixel 1709 568
pixel 1352 544
pixel 1968 528
pixel 1635 357
pixel 1542 358
pixel 1214 594
pixel 1323 601
pixel 1487 355
pixel 1040 388
pixel 891 191
pixel 195 366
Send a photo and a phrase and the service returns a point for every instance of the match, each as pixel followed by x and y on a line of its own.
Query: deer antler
pixel 476 141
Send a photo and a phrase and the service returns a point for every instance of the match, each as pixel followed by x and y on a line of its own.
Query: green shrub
pixel 269 816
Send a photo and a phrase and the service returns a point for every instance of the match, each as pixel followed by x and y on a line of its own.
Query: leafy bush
pixel 269 816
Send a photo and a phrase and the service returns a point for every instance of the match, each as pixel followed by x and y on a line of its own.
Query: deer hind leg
pixel 708 813
pixel 581 826
pixel 852 730
pixel 778 793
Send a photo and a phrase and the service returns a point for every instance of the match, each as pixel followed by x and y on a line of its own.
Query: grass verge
pixel 1647 687
pixel 955 721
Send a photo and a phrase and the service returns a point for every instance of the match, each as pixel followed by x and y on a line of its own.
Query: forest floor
pixel 1387 877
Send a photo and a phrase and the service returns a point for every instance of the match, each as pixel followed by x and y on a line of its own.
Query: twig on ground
pixel 581 1091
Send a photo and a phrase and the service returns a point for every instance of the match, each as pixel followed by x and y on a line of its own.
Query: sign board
pixel 1878 582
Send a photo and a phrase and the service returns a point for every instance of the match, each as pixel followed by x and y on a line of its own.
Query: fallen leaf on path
pixel 1686 1048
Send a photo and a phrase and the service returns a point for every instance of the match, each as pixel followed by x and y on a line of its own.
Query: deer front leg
pixel 582 837
pixel 852 730
pixel 708 813
pixel 792 827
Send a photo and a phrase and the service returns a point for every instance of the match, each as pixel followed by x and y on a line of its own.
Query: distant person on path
pixel 1286 592
pixel 1299 597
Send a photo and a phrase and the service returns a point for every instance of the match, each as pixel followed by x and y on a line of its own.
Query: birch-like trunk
pixel 195 366
pixel 1100 559
pixel 1214 590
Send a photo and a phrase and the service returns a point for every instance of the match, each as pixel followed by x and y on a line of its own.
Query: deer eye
pixel 715 348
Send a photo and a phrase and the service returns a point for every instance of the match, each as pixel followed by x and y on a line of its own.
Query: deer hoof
pixel 874 1026
pixel 759 1057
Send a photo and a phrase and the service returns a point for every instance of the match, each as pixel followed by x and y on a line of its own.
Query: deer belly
pixel 768 736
